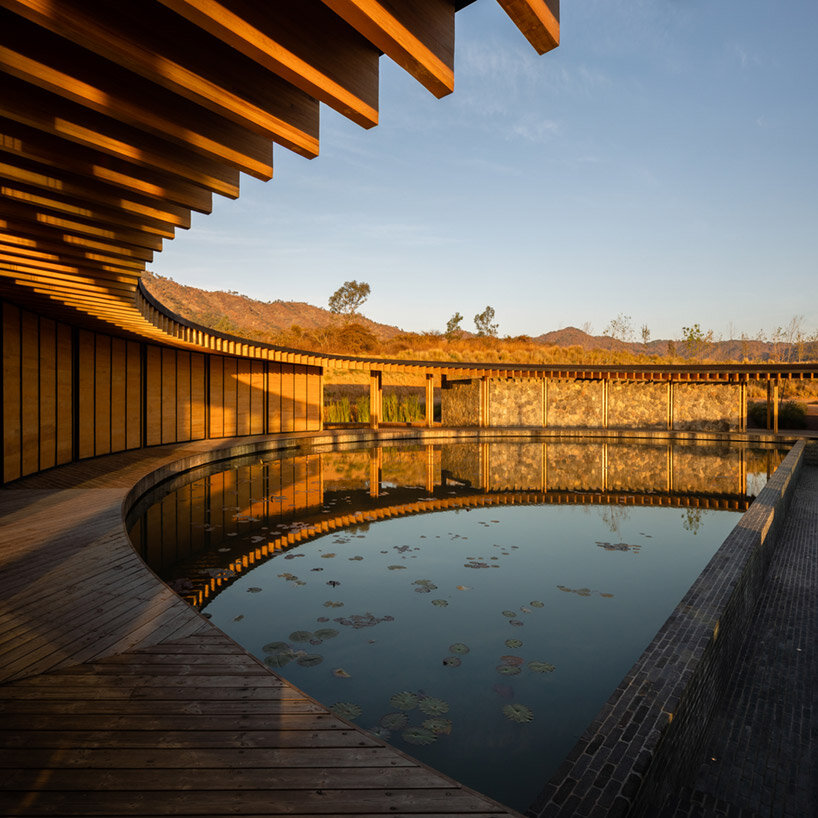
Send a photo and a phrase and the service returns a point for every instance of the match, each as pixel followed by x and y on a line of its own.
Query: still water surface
pixel 481 638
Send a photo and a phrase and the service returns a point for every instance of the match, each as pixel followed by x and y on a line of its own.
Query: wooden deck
pixel 117 698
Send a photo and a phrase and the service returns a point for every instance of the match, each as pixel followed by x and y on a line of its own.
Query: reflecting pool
pixel 473 604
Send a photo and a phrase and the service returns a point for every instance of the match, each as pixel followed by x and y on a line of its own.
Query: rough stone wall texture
pixel 515 466
pixel 574 404
pixel 716 469
pixel 574 467
pixel 516 402
pixel 638 467
pixel 462 462
pixel 706 407
pixel 460 404
pixel 406 467
pixel 634 405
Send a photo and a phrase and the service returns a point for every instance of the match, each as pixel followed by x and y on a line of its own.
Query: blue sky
pixel 660 163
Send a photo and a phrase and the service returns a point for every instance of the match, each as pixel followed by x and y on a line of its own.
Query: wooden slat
pixel 538 20
pixel 418 36
pixel 12 444
pixel 186 62
pixel 57 66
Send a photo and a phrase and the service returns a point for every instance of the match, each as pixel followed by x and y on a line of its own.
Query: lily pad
pixel 537 604
pixel 309 659
pixel 459 648
pixel 440 727
pixel 341 673
pixel 279 659
pixel 440 603
pixel 329 604
pixel 404 701
pixel 510 614
pixel 326 633
pixel 418 735
pixel 508 670
pixel 346 710
pixel 394 721
pixel 514 661
pixel 541 667
pixel 516 622
pixel 254 590
pixel 518 712
pixel 327 556
pixel 275 647
pixel 301 636
pixel 433 707
pixel 513 643
pixel 452 661
pixel 395 567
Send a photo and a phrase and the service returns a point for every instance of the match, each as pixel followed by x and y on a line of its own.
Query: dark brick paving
pixel 760 753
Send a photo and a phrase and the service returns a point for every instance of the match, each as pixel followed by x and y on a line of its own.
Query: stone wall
pixel 578 404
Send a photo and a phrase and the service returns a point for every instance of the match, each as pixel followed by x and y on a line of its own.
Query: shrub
pixel 791 415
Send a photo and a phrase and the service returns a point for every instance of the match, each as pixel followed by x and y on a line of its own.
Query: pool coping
pixel 644 741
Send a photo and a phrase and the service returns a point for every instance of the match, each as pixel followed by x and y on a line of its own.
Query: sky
pixel 660 164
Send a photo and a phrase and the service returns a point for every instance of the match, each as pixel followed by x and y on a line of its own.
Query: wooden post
pixel 430 399
pixel 669 468
pixel 430 469
pixel 544 469
pixel 604 465
pixel 742 407
pixel 485 466
pixel 670 406
pixel 605 403
pixel 375 466
pixel 544 403
pixel 769 403
pixel 375 398
pixel 775 406
pixel 742 471
pixel 484 401
pixel 320 400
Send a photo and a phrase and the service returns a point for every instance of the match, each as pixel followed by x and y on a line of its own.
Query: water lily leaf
pixel 329 604
pixel 513 643
pixel 463 587
pixel 254 590
pixel 346 710
pixel 433 707
pixel 394 721
pixel 310 659
pixel 541 667
pixel 341 673
pixel 418 735
pixel 326 633
pixel 396 567
pixel 301 636
pixel 508 670
pixel 440 603
pixel 322 619
pixel 452 661
pixel 537 604
pixel 525 610
pixel 510 614
pixel 440 727
pixel 275 647
pixel 241 616
pixel 516 622
pixel 514 661
pixel 328 556
pixel 279 659
pixel 518 712
pixel 404 701
pixel 459 648
pixel 355 558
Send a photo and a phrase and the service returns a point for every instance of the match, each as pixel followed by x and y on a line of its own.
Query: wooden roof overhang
pixel 119 119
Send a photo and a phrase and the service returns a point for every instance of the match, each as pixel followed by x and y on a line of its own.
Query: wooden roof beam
pixel 37 248
pixel 70 72
pixel 417 35
pixel 46 154
pixel 331 62
pixel 538 20
pixel 46 112
pixel 186 62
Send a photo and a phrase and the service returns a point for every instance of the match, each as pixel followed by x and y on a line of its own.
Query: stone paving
pixel 760 752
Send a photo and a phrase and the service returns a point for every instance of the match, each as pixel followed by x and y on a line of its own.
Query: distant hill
pixel 228 311
pixel 294 323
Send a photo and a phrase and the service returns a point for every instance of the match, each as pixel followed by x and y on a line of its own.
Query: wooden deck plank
pixel 115 687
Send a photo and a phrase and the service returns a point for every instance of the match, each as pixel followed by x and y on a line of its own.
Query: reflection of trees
pixel 692 520
pixel 614 516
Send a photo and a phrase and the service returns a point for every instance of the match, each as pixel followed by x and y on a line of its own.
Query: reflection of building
pixel 255 510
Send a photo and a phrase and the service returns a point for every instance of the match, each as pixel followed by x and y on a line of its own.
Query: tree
pixel 645 334
pixel 482 321
pixel 620 328
pixel 348 298
pixel 696 341
pixel 453 325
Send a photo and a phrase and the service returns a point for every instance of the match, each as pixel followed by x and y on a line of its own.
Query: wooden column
pixel 670 406
pixel 775 405
pixel 544 469
pixel 604 464
pixel 544 404
pixel 605 383
pixel 320 400
pixel 742 407
pixel 375 470
pixel 485 466
pixel 769 403
pixel 375 398
pixel 430 468
pixel 430 399
pixel 669 468
pixel 485 418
